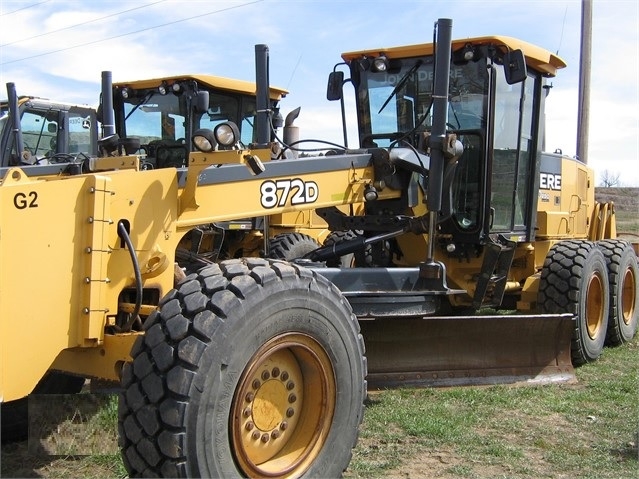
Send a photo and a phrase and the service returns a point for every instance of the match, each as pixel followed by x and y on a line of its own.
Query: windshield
pixel 400 99
pixel 154 117
pixel 165 123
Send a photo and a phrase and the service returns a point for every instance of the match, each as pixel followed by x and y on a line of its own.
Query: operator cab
pixel 495 108
pixel 165 112
pixel 52 132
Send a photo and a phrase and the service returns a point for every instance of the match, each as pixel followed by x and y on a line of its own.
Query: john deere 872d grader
pixel 258 367
pixel 163 112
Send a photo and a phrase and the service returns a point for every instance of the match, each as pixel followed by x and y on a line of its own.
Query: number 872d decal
pixel 281 192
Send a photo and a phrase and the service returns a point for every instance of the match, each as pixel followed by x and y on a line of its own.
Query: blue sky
pixel 58 49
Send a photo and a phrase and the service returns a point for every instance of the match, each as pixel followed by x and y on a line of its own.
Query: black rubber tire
pixel 15 414
pixel 360 258
pixel 175 414
pixel 623 276
pixel 337 237
pixel 290 246
pixel 574 279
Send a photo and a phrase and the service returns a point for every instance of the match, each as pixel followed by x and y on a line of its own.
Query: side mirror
pixel 514 67
pixel 201 101
pixel 335 83
pixel 99 116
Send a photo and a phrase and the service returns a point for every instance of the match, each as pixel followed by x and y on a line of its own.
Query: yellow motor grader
pixel 258 367
pixel 161 113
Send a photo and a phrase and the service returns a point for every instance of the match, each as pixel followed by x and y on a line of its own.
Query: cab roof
pixel 537 58
pixel 43 102
pixel 211 81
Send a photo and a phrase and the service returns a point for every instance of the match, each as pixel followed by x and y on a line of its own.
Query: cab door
pixel 514 157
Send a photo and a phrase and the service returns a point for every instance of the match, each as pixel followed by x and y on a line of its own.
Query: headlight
pixel 203 140
pixel 108 146
pixel 380 64
pixel 227 134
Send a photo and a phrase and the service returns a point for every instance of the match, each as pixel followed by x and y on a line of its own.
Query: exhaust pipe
pixel 12 97
pixel 108 117
pixel 262 128
pixel 292 132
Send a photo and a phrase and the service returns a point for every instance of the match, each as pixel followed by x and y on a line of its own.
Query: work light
pixel 203 140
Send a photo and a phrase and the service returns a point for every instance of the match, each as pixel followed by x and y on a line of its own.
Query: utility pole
pixel 584 80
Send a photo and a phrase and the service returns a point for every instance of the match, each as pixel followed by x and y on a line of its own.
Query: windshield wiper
pixel 400 83
pixel 146 98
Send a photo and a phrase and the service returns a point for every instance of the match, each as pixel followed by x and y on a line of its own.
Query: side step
pixel 468 350
pixel 494 273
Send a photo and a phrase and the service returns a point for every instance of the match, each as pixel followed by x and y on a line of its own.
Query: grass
pixel 626 202
pixel 582 430
pixel 72 436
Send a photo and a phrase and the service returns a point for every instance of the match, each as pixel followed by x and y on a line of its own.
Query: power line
pixel 131 33
pixel 81 24
pixel 563 25
pixel 294 70
pixel 23 8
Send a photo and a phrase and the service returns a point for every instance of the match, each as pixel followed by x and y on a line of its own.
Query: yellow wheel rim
pixel 628 299
pixel 594 305
pixel 283 407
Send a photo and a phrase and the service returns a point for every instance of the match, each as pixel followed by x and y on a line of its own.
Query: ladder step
pixel 493 277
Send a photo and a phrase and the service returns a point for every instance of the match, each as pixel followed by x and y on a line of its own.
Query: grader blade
pixel 468 350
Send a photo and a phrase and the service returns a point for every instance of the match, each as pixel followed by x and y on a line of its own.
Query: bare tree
pixel 609 180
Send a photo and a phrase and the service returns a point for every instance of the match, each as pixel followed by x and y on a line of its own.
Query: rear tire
pixel 249 368
pixel 290 246
pixel 574 279
pixel 623 276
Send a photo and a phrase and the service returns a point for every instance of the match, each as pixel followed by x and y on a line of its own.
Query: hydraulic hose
pixel 124 235
pixel 351 246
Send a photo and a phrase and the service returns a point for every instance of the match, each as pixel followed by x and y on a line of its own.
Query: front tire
pixel 338 237
pixel 574 279
pixel 290 246
pixel 623 275
pixel 249 368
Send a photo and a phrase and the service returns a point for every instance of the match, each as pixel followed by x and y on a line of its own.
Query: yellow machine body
pixel 83 266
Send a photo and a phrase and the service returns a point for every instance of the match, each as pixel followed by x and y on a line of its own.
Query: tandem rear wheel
pixel 574 279
pixel 623 277
pixel 249 368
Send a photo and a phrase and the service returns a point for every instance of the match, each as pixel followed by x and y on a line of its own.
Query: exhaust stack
pixel 262 93
pixel 108 117
pixel 16 129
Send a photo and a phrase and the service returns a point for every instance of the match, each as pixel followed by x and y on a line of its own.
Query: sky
pixel 57 49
